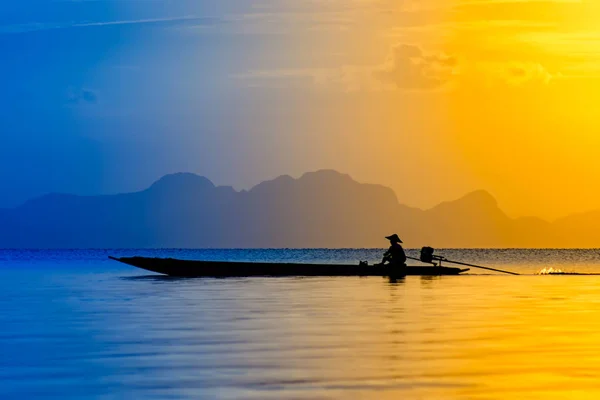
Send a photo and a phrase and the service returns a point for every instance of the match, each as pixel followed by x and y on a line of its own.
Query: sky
pixel 433 98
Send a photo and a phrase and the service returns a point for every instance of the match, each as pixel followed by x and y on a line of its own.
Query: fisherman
pixel 395 256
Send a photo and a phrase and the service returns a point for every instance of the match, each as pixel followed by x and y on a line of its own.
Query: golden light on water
pixel 478 337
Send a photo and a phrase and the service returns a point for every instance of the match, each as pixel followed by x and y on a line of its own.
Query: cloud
pixel 409 67
pixel 518 74
pixel 346 78
pixel 81 96
pixel 432 45
pixel 33 27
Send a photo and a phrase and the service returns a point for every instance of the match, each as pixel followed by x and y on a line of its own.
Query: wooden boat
pixel 224 269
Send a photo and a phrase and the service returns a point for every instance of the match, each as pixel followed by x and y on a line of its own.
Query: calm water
pixel 76 325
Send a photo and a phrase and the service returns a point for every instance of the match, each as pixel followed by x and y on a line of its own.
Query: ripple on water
pixel 76 326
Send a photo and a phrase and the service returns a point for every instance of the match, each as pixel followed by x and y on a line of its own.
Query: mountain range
pixel 323 209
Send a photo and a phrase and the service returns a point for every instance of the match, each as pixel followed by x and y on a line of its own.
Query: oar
pixel 471 265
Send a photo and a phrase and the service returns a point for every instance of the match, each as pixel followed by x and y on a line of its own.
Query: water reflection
pixel 69 334
pixel 427 281
pixel 396 280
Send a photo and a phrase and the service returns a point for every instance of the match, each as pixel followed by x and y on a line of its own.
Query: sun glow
pixel 522 102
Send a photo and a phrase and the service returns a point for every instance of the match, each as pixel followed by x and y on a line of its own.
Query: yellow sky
pixel 435 98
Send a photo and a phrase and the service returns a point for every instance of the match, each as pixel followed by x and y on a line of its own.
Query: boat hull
pixel 225 269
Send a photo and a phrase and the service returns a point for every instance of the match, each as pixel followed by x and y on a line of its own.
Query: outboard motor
pixel 427 255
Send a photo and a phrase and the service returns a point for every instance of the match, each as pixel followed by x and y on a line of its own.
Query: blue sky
pixel 107 96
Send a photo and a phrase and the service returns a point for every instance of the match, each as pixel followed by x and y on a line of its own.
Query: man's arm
pixel 386 256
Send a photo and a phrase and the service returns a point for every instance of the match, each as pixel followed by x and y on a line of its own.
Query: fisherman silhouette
pixel 395 256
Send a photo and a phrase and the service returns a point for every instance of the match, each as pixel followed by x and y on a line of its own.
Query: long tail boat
pixel 230 269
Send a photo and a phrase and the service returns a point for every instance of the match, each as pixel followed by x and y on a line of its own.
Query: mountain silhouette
pixel 320 209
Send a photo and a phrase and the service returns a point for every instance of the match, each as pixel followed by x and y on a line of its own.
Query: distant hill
pixel 320 209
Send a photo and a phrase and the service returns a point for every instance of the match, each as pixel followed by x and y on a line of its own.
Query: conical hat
pixel 394 238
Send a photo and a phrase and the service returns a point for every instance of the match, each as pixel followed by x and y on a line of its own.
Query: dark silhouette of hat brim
pixel 394 238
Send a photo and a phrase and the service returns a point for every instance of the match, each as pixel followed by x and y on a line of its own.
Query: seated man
pixel 395 256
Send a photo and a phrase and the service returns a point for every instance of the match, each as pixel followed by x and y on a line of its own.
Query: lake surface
pixel 76 325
